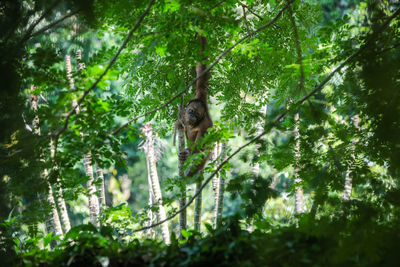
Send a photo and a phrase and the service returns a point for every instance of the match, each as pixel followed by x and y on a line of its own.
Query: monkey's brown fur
pixel 196 117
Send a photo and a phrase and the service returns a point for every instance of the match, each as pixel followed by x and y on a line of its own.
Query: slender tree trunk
pixel 99 172
pixel 63 207
pixel 300 87
pixel 215 184
pixel 101 188
pixel 94 209
pixel 155 183
pixel 182 200
pixel 197 206
pixel 256 168
pixel 53 224
pixel 348 184
pixel 298 188
pixel 59 196
pixel 150 215
pixel 219 190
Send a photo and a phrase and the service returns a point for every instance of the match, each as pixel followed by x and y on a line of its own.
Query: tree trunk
pixel 348 184
pixel 219 189
pixel 182 200
pixel 155 184
pixel 59 196
pixel 53 224
pixel 197 206
pixel 150 215
pixel 94 210
pixel 256 168
pixel 298 188
pixel 101 188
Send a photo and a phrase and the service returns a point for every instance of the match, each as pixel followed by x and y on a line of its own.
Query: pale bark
pixel 256 168
pixel 300 87
pixel 94 210
pixel 182 200
pixel 348 183
pixel 197 206
pixel 102 191
pixel 150 215
pixel 298 188
pixel 53 224
pixel 59 196
pixel 215 183
pixel 155 183
pixel 63 207
pixel 219 189
pixel 93 200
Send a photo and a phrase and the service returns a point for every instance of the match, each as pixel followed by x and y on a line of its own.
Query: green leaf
pixel 47 239
pixel 186 234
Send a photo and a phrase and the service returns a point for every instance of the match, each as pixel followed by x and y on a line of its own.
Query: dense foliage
pixel 305 91
pixel 229 245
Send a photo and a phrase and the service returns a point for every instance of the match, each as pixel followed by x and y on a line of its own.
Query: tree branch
pixel 250 10
pixel 275 121
pixel 45 28
pixel 217 4
pixel 245 19
pixel 223 54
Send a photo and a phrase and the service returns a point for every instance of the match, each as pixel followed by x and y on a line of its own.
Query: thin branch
pixel 275 121
pixel 32 27
pixel 245 19
pixel 110 64
pixel 223 54
pixel 52 24
pixel 217 4
pixel 251 11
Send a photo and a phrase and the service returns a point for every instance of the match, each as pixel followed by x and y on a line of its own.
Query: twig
pixel 275 121
pixel 45 28
pixel 217 4
pixel 250 10
pixel 245 19
pixel 223 54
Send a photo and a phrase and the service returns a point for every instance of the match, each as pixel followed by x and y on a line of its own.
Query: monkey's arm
pixel 202 82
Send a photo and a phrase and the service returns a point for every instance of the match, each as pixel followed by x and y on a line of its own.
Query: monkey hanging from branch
pixel 196 117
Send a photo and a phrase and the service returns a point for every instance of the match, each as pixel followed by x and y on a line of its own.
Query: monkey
pixel 196 116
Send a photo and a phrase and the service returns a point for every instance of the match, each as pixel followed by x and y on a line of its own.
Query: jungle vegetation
pixel 304 150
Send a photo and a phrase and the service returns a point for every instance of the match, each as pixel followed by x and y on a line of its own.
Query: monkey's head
pixel 195 112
